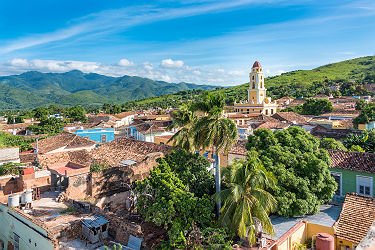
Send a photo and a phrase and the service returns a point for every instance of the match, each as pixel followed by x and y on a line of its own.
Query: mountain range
pixel 33 88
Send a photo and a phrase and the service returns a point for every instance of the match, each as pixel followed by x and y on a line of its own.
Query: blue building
pixel 98 134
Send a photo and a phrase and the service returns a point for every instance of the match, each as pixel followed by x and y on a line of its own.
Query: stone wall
pixel 78 186
pixel 120 179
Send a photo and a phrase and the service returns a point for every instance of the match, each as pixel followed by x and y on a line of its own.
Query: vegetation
pixel 301 168
pixel 246 203
pixel 314 106
pixel 10 168
pixel 169 197
pixel 24 144
pixel 367 112
pixel 68 210
pixel 330 143
pixel 50 126
pixel 33 89
pixel 97 167
pixel 362 142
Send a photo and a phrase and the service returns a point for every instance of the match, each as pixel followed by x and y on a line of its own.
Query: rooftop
pixel 354 161
pixel 68 168
pixel 290 117
pixel 356 217
pixel 124 148
pixel 64 139
pixel 327 216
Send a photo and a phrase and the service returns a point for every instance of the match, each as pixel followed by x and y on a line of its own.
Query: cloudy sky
pixel 203 41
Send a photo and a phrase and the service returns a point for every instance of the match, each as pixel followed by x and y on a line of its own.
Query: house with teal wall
pixel 353 172
pixel 100 135
pixel 18 232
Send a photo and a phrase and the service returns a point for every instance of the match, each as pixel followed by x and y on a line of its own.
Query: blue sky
pixel 204 41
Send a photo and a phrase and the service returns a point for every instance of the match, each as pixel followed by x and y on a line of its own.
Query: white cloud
pixel 169 63
pixel 125 63
pixel 169 70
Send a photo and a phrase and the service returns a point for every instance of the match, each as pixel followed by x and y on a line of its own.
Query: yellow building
pixel 257 100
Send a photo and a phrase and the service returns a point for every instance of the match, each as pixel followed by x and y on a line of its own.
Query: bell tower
pixel 257 91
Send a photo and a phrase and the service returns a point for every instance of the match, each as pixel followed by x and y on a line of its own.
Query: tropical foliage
pixel 10 168
pixel 330 143
pixel 50 126
pixel 364 141
pixel 367 113
pixel 246 203
pixel 314 106
pixel 301 168
pixel 168 197
pixel 24 144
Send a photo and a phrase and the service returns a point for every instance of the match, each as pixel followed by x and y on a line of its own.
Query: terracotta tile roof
pixel 239 148
pixel 356 217
pixel 78 156
pixel 320 131
pixel 69 168
pixel 263 118
pixel 296 102
pixel 165 136
pixel 124 148
pixel 64 139
pixel 291 117
pixel 355 161
pixel 123 114
pixel 343 112
pixel 28 158
pixel 320 96
pixel 154 126
pixel 238 115
pixel 273 125
pixel 150 117
pixel 283 99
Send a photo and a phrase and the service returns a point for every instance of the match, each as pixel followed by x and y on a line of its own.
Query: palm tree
pixel 184 119
pixel 246 203
pixel 212 130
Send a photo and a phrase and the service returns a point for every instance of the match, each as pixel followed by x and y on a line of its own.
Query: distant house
pixel 354 172
pixel 9 155
pixel 63 142
pixel 100 135
pixel 291 118
pixel 367 126
pixel 124 118
pixel 146 131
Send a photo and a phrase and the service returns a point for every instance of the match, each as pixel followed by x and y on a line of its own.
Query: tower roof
pixel 256 65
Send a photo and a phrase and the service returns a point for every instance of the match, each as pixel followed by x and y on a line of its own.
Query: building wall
pixel 9 155
pixel 78 186
pixel 314 229
pixel 96 134
pixel 294 237
pixel 31 236
pixel 349 180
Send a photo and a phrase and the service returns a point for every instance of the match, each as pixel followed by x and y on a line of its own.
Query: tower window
pixel 261 84
pixel 266 111
pixel 253 85
pixel 253 77
pixel 261 77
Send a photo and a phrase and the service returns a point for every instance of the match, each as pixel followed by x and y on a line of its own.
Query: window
pixel 253 85
pixel 266 111
pixel 364 185
pixel 338 178
pixel 103 138
pixel 271 111
pixel 16 242
pixel 253 77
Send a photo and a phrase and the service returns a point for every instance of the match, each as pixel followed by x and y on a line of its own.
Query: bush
pixel 97 167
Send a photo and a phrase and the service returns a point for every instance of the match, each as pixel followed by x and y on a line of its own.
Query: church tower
pixel 257 91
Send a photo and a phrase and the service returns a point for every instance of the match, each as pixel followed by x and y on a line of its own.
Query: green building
pixel 353 172
pixel 18 232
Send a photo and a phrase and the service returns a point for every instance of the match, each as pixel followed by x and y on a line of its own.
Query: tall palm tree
pixel 183 119
pixel 212 130
pixel 246 203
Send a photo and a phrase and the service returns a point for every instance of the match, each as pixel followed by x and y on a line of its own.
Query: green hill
pixel 32 89
pixel 295 83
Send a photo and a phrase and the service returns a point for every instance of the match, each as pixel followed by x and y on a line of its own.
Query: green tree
pixel 246 203
pixel 41 113
pixel 15 119
pixel 50 126
pixel 77 113
pixel 212 130
pixel 301 168
pixel 164 199
pixel 330 143
pixel 183 119
pixel 314 106
pixel 365 140
pixel 356 148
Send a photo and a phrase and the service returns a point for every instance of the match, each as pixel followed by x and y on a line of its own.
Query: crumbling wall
pixel 120 179
pixel 68 232
pixel 78 186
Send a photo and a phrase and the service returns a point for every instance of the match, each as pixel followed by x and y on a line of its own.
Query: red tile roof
pixel 356 217
pixel 77 156
pixel 69 168
pixel 256 64
pixel 290 117
pixel 124 114
pixel 273 125
pixel 64 139
pixel 239 148
pixel 355 161
pixel 124 148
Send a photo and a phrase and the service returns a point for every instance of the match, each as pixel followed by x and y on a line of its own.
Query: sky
pixel 202 41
